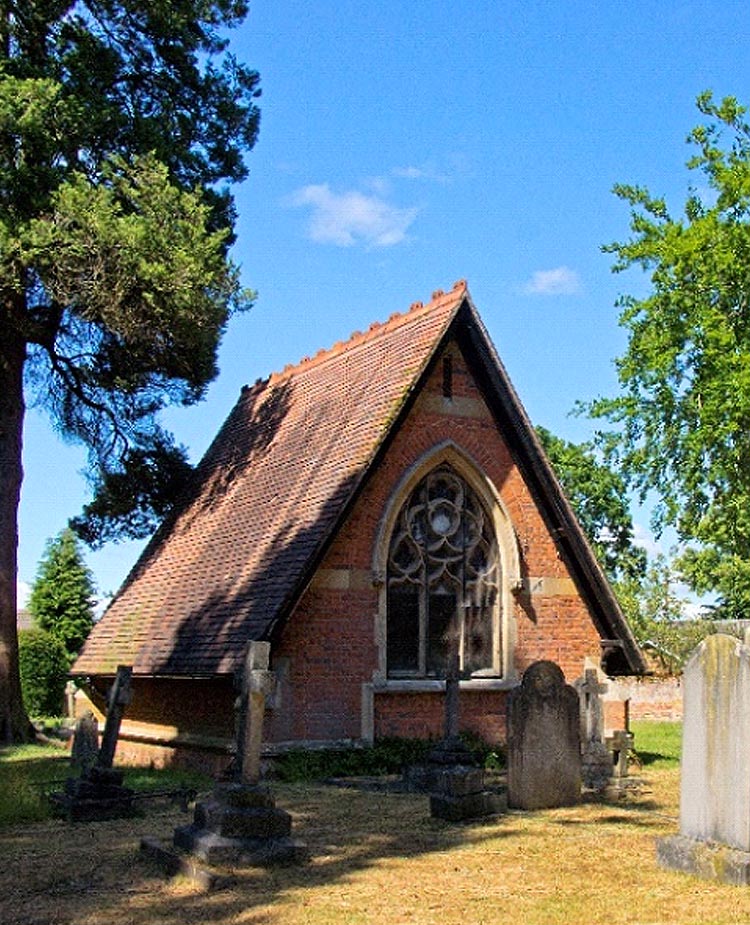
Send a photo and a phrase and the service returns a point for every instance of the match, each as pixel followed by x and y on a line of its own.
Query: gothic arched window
pixel 443 581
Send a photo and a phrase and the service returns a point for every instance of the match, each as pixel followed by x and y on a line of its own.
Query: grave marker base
pixel 708 860
pixel 237 825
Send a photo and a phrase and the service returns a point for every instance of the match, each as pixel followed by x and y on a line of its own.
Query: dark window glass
pixel 441 630
pixel 403 629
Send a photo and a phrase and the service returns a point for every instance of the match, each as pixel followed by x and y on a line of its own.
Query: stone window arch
pixel 443 581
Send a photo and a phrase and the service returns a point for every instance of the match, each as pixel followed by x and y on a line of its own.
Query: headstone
pixel 714 839
pixel 544 742
pixel 85 749
pixel 239 823
pixel 98 793
pixel 596 758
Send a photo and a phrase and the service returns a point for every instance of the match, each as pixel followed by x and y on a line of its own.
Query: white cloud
pixel 23 590
pixel 559 281
pixel 426 172
pixel 353 217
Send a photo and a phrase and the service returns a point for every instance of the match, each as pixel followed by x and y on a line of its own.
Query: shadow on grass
pixel 347 832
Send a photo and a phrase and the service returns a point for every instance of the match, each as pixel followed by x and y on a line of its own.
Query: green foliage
pixel 44 664
pixel 131 499
pixel 682 422
pixel 143 780
pixel 656 614
pixel 599 498
pixel 658 744
pixel 119 123
pixel 123 125
pixel 62 596
pixel 386 756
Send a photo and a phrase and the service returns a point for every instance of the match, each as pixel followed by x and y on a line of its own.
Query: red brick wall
pixel 421 715
pixel 328 646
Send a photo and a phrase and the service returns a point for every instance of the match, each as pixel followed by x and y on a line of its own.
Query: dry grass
pixel 379 858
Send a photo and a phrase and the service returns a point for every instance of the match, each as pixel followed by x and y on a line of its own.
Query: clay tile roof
pixel 227 565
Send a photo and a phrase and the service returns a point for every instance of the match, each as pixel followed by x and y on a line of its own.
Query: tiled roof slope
pixel 268 492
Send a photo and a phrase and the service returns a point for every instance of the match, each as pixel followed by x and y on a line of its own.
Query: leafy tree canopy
pixel 122 125
pixel 599 499
pixel 62 596
pixel 682 421
pixel 656 613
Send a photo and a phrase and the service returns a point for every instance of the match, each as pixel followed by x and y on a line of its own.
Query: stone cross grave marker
pixel 592 712
pixel 714 839
pixel 451 750
pixel 239 824
pixel 544 740
pixel 98 793
pixel 452 706
pixel 119 697
pixel 456 785
pixel 256 684
pixel 597 765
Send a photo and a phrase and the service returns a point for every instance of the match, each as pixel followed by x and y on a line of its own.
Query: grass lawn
pixel 380 858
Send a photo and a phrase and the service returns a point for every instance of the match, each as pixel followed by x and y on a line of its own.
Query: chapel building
pixel 368 512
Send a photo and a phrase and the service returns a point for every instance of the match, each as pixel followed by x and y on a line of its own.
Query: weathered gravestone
pixel 544 741
pixel 239 823
pixel 714 839
pixel 85 749
pixel 99 792
pixel 455 784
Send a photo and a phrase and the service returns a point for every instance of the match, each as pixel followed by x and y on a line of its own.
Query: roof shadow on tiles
pixel 226 620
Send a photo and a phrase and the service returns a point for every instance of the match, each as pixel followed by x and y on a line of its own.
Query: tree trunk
pixel 14 725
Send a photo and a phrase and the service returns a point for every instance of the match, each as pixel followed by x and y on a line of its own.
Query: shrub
pixel 386 756
pixel 44 664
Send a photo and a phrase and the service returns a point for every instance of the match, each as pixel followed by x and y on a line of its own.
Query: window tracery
pixel 443 581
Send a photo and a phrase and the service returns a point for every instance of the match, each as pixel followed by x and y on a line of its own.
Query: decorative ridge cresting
pixel 376 329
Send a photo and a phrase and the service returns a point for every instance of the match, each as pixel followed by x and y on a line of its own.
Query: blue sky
pixel 404 146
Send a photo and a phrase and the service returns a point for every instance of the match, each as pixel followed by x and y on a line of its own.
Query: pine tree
pixel 62 597
pixel 123 125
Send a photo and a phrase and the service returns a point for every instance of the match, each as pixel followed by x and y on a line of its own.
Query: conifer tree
pixel 62 596
pixel 122 125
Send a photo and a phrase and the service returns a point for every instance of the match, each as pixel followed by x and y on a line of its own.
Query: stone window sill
pixel 429 685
